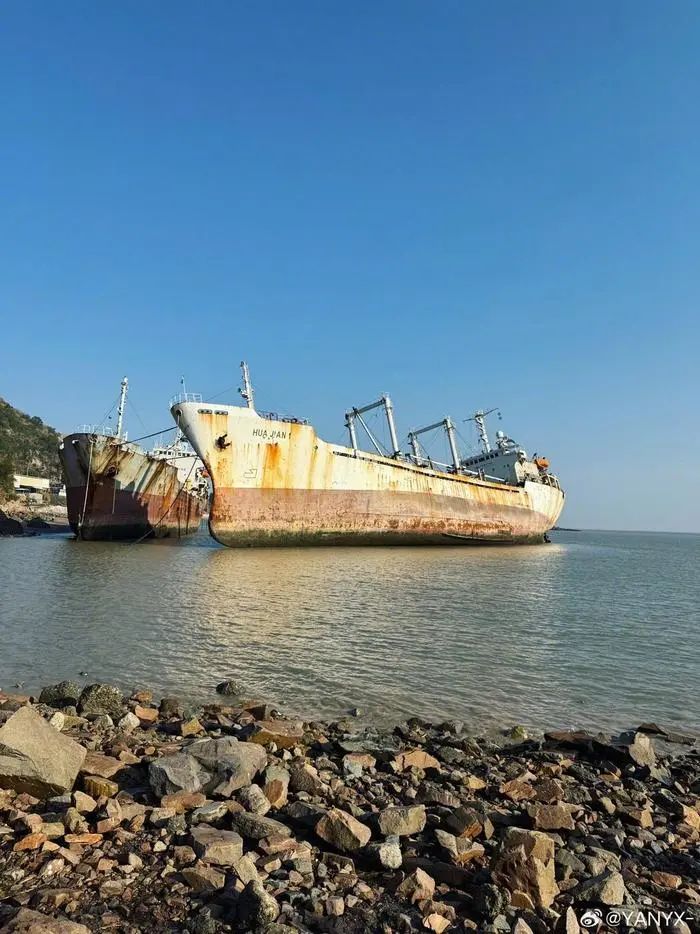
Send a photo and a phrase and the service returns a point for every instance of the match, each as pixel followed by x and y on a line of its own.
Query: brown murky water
pixel 597 629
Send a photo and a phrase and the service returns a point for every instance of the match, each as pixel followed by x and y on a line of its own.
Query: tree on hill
pixel 27 445
pixel 7 482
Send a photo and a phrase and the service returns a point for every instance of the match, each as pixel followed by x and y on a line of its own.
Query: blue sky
pixel 464 204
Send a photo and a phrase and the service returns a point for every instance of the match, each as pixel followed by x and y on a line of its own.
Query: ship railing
pixel 97 430
pixel 290 419
pixel 449 468
pixel 185 397
pixel 550 480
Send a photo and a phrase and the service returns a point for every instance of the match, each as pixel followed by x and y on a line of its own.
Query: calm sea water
pixel 598 629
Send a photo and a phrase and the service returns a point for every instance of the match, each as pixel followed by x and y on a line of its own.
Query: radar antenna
pixel 479 418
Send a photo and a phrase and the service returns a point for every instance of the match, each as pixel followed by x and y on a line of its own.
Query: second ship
pixel 117 491
pixel 275 482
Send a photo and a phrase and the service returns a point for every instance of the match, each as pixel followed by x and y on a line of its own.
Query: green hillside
pixel 27 445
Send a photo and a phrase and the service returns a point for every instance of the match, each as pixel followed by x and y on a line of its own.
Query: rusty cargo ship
pixel 116 490
pixel 275 482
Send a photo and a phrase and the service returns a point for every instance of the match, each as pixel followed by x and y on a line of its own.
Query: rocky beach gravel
pixel 128 815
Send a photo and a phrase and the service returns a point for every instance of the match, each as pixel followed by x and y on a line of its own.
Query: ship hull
pixel 117 492
pixel 277 483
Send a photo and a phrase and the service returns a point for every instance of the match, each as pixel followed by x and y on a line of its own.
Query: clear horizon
pixel 463 206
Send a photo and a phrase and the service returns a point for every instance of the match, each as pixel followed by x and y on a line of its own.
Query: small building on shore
pixel 31 487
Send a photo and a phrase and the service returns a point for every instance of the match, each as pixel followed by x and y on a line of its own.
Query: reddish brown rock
pixel 283 733
pixel 146 715
pixel 83 839
pixel 553 816
pixel 32 841
pixel 100 765
pixel 276 785
pixel 414 759
pixel 182 801
pixel 517 790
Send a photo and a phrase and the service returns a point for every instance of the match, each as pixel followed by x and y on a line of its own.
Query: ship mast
pixel 122 405
pixel 479 418
pixel 247 390
pixel 449 427
pixel 352 414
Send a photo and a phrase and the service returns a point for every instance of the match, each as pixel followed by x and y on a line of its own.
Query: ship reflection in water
pixel 596 629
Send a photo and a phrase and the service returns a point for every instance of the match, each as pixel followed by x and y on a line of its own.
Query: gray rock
pixel 232 764
pixel 180 772
pixel 63 694
pixel 608 889
pixel 639 748
pixel 305 813
pixel 170 707
pixel 256 908
pixel 599 859
pixel 203 878
pixel 129 722
pixel 568 923
pixel 208 813
pixel 253 799
pixel 387 853
pixel 246 870
pixel 402 821
pixel 101 699
pixel 35 758
pixel 255 826
pixel 432 793
pixel 9 526
pixel 229 688
pixel 221 847
pixel 567 864
pixel 204 922
pixel 304 777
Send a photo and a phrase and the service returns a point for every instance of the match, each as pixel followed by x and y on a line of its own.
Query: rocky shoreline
pixel 122 814
pixel 19 518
